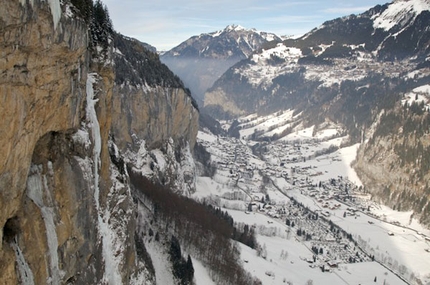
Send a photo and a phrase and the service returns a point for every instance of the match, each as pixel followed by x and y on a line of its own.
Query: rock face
pixel 153 112
pixel 161 115
pixel 41 84
pixel 66 208
pixel 48 210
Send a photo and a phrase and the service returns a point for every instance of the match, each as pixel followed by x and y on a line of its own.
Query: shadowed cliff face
pixel 150 102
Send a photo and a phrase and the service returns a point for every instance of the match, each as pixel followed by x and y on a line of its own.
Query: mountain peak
pixel 231 28
pixel 234 27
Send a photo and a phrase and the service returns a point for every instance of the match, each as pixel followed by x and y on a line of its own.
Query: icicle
pixel 95 133
pixel 24 269
pixel 55 11
pixel 111 273
pixel 35 189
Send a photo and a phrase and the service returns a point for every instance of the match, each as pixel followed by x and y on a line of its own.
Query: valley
pixel 313 219
pixel 238 157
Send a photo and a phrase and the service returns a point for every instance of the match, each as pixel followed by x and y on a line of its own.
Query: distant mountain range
pixel 202 59
pixel 370 74
pixel 385 41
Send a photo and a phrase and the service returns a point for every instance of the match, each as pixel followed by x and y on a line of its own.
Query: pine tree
pixel 189 270
pixel 84 8
pixel 101 25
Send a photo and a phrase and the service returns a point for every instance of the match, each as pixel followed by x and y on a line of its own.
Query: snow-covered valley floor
pixel 313 220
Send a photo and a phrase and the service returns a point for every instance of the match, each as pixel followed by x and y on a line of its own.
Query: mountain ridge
pixel 201 59
pixel 240 42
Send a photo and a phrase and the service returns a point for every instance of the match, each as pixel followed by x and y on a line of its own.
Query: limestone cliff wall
pixel 153 114
pixel 154 119
pixel 44 65
pixel 40 87
pixel 66 212
pixel 156 129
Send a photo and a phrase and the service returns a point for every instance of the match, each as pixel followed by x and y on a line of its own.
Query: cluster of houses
pixel 359 68
pixel 238 164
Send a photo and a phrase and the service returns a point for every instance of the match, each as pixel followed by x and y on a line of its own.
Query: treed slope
pixel 196 225
pixel 136 64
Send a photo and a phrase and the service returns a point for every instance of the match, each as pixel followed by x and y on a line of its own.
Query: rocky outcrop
pixel 153 114
pixel 156 129
pixel 66 208
pixel 155 119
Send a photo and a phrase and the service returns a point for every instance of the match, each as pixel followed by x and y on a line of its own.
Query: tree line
pixel 204 231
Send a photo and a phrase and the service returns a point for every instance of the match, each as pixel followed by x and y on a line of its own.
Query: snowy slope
pixel 401 13
pixel 394 239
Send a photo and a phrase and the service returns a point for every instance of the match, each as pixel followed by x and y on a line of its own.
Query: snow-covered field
pixel 287 261
pixel 311 167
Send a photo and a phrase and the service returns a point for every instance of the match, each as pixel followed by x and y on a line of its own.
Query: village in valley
pixel 308 208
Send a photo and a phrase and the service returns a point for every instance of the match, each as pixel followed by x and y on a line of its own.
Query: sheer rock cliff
pixel 66 208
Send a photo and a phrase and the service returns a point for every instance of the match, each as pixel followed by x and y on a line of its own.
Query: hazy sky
pixel 166 23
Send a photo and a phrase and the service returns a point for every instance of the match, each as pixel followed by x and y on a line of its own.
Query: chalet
pixel 325 268
pixel 330 238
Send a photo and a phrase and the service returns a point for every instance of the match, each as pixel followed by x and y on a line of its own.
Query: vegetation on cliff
pixel 198 225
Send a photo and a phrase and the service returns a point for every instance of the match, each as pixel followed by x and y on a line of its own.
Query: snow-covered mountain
pixel 234 41
pixel 357 71
pixel 100 185
pixel 392 31
pixel 386 40
pixel 201 59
